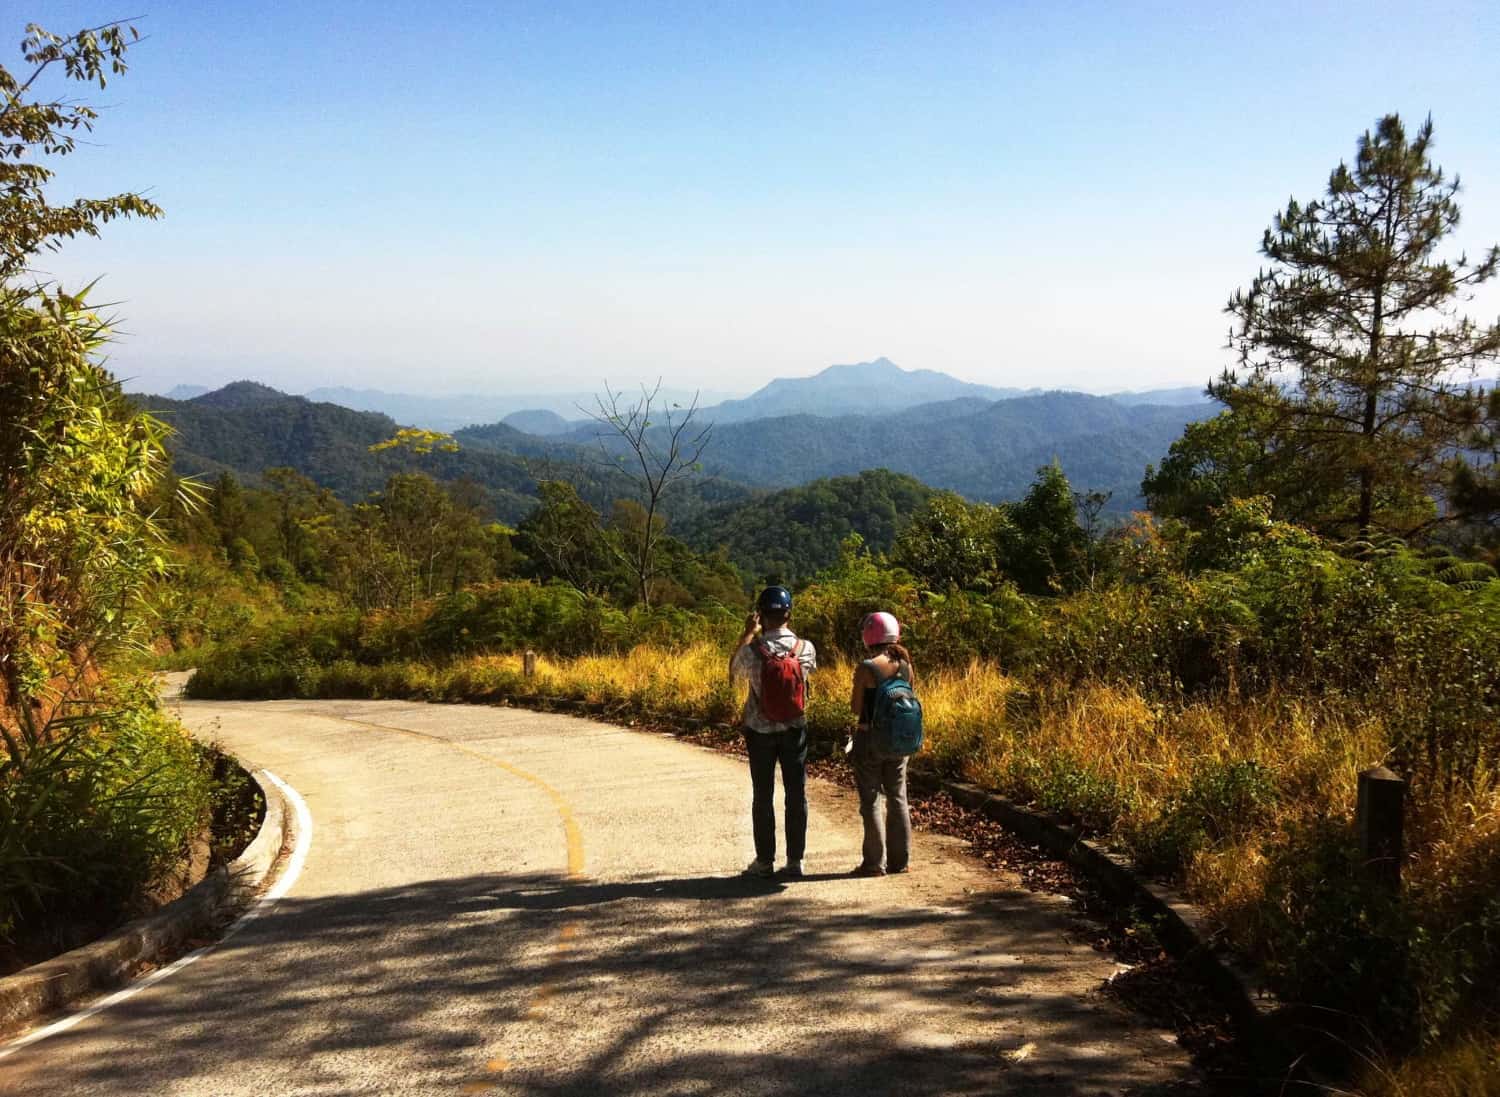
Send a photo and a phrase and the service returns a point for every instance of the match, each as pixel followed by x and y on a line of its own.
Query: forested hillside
pixel 983 449
pixel 988 452
pixel 245 429
pixel 789 536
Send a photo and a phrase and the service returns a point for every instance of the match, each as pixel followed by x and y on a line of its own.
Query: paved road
pixel 503 902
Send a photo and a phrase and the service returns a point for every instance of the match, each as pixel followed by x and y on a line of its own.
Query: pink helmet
pixel 880 628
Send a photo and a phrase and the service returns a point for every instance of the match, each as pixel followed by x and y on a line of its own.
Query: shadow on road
pixel 703 985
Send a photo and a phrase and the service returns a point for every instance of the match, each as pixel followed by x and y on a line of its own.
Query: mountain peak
pixel 857 388
pixel 880 367
pixel 239 394
pixel 537 421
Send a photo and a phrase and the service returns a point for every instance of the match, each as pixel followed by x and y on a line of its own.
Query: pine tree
pixel 1356 360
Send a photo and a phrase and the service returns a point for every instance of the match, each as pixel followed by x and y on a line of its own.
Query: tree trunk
pixel 1366 473
pixel 1372 405
pixel 648 550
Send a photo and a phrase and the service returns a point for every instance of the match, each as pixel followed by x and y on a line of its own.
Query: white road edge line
pixel 304 828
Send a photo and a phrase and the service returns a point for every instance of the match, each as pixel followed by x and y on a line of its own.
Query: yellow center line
pixel 572 834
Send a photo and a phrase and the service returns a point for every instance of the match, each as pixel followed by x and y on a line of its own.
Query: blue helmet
pixel 774 600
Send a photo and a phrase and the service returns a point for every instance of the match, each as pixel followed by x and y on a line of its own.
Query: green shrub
pixel 1070 788
pixel 88 820
pixel 1223 801
pixel 1334 940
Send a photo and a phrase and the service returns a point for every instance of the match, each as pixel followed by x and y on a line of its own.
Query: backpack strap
pixel 766 653
pixel 903 670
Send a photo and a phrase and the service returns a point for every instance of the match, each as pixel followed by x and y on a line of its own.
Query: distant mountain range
pixel 1190 394
pixel 859 389
pixel 944 432
pixel 449 413
pixel 984 449
pixel 863 388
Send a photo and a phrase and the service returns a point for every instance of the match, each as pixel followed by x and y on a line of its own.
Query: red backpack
pixel 783 686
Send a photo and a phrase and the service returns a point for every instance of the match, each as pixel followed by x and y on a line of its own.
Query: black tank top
pixel 903 670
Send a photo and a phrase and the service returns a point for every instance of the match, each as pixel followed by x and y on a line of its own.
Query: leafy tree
pixel 98 790
pixel 31 130
pixel 562 538
pixel 302 509
pixel 951 542
pixel 1351 341
pixel 227 505
pixel 418 440
pixel 417 542
pixel 1232 456
pixel 1051 549
pixel 76 461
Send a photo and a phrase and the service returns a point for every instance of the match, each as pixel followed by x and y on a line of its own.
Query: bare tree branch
pixel 664 454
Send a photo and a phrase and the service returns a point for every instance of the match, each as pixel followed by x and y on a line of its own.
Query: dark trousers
pixel 790 749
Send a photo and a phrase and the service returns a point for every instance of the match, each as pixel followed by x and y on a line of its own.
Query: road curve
pixel 497 901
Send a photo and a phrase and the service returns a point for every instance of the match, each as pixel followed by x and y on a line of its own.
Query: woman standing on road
pixel 887 845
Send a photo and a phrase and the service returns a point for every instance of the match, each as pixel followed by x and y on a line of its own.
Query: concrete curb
pixel 109 961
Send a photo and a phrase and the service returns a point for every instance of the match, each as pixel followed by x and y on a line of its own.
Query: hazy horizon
pixel 451 199
pixel 630 389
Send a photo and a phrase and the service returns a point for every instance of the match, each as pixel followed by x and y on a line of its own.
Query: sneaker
pixel 763 869
pixel 792 871
pixel 867 870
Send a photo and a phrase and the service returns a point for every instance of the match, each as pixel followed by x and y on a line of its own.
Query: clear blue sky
pixel 497 197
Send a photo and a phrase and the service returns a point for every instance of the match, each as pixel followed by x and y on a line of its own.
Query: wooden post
pixel 528 664
pixel 1379 818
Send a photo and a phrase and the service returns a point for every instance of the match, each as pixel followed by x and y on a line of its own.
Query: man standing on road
pixel 777 665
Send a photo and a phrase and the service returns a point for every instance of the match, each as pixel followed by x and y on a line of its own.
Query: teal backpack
pixel 896 717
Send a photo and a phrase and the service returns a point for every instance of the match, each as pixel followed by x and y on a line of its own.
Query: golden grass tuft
pixel 1467 1067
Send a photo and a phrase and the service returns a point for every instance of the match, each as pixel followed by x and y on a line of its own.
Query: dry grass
pixel 984 724
pixel 1466 1068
